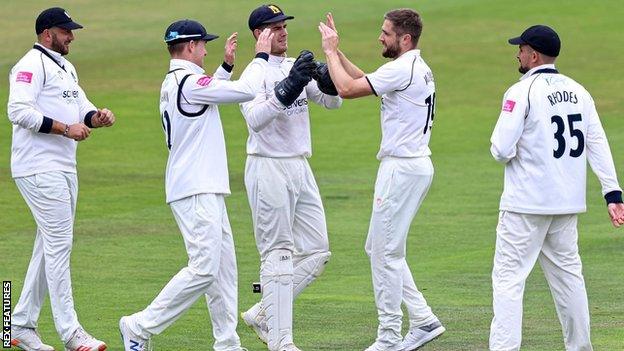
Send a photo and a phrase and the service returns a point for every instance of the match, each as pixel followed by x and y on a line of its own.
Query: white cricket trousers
pixel 211 271
pixel 286 206
pixel 522 239
pixel 51 197
pixel 289 221
pixel 401 186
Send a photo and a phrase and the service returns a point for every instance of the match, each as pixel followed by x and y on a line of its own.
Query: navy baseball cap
pixel 541 38
pixel 54 17
pixel 267 14
pixel 186 30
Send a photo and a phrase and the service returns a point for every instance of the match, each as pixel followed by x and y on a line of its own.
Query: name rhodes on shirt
pixel 562 96
pixel 297 107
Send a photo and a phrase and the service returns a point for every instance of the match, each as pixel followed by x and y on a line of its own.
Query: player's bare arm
pixel 352 70
pixel 347 86
pixel 78 131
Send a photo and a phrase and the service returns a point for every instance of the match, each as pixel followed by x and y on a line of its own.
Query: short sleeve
pixel 388 77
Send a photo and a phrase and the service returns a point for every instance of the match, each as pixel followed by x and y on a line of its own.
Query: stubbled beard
pixel 58 46
pixel 279 51
pixel 391 51
pixel 523 69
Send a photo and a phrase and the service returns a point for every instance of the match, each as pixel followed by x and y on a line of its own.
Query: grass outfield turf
pixel 127 245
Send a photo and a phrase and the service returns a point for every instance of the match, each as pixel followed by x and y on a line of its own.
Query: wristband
pixel 226 66
pixel 613 197
pixel 66 132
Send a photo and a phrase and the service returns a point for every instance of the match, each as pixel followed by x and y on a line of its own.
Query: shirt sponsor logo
pixel 203 81
pixel 296 108
pixel 25 77
pixel 509 105
pixel 67 94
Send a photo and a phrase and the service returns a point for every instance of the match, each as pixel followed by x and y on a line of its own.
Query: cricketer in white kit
pixel 546 133
pixel 50 113
pixel 407 91
pixel 196 183
pixel 288 216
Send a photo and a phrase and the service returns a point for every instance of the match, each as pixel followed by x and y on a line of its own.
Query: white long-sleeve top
pixel 276 130
pixel 193 133
pixel 44 87
pixel 546 132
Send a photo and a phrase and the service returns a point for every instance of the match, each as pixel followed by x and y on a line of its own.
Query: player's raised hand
pixel 329 38
pixel 616 212
pixel 330 22
pixel 264 41
pixel 103 118
pixel 78 132
pixel 230 49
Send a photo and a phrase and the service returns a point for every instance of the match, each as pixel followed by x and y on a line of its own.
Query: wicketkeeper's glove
pixel 300 75
pixel 323 80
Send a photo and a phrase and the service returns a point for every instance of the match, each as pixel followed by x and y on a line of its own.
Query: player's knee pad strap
pixel 276 276
pixel 308 269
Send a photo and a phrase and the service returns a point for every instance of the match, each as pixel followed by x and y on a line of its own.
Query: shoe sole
pixel 19 345
pixel 100 348
pixel 436 334
pixel 253 327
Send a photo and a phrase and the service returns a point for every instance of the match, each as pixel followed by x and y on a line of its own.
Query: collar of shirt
pixel 55 55
pixel 276 60
pixel 532 70
pixel 410 53
pixel 185 64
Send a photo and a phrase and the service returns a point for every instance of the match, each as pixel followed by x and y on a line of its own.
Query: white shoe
pixel 258 324
pixel 419 336
pixel 28 339
pixel 82 341
pixel 130 340
pixel 289 347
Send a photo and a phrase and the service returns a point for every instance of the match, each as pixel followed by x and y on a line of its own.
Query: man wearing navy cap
pixel 50 113
pixel 288 215
pixel 547 131
pixel 196 183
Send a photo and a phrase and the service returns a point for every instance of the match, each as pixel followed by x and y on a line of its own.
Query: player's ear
pixel 535 56
pixel 256 33
pixel 407 40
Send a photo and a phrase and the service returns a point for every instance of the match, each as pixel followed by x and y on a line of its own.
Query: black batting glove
pixel 323 79
pixel 299 76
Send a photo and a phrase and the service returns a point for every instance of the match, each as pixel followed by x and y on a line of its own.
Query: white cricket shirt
pixel 276 130
pixel 546 132
pixel 44 84
pixel 190 116
pixel 407 93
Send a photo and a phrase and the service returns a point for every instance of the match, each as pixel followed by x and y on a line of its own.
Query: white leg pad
pixel 308 269
pixel 276 276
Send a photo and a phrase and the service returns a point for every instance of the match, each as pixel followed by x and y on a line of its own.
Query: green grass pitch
pixel 127 246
